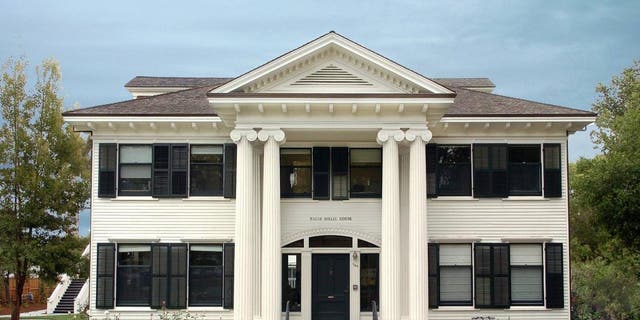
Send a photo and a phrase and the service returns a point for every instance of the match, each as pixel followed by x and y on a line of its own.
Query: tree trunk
pixel 21 278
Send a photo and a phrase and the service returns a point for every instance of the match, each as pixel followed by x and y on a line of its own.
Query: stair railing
pixel 81 301
pixel 286 315
pixel 374 309
pixel 58 292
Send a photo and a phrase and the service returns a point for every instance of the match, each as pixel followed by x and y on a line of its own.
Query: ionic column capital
pixel 423 134
pixel 277 135
pixel 385 135
pixel 237 135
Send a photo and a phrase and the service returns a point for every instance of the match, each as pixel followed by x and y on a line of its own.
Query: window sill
pixel 471 308
pixel 134 198
pixel 525 198
pixel 203 309
pixel 125 308
pixel 207 198
pixel 455 198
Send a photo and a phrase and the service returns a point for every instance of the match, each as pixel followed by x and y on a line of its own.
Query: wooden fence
pixel 32 290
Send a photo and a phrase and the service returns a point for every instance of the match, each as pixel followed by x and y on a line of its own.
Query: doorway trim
pixel 306 269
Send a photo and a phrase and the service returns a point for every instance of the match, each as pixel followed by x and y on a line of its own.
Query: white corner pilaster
pixel 418 254
pixel 390 250
pixel 271 239
pixel 244 283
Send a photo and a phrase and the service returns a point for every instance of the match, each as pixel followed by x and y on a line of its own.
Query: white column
pixel 390 250
pixel 271 242
pixel 244 284
pixel 257 227
pixel 418 255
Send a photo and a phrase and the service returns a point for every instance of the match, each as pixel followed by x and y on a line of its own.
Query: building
pixel 329 177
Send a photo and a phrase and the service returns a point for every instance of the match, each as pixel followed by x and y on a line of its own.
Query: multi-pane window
pixel 524 170
pixel 295 172
pixel 366 172
pixel 291 281
pixel 207 170
pixel 455 274
pixel 526 274
pixel 454 170
pixel 490 170
pixel 369 280
pixel 205 275
pixel 134 275
pixel 135 170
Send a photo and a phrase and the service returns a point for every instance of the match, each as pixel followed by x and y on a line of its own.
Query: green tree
pixel 605 208
pixel 44 176
pixel 611 184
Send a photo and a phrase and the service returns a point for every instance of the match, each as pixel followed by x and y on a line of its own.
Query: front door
pixel 330 287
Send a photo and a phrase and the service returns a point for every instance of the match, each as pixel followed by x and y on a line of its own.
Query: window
pixel 492 275
pixel 205 275
pixel 490 170
pixel 295 173
pixel 135 170
pixel 526 274
pixel 454 170
pixel 339 173
pixel 170 170
pixel 366 173
pixel 455 275
pixel 524 170
pixel 552 170
pixel 291 281
pixel 330 242
pixel 207 170
pixel 134 275
pixel 369 280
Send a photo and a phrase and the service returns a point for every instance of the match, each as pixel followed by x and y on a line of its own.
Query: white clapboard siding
pixel 146 219
pixel 503 220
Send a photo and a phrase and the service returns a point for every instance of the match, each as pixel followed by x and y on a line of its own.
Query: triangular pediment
pixel 331 64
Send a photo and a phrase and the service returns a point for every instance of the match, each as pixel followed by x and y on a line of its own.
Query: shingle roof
pixel 194 102
pixel 470 103
pixel 172 82
pixel 189 102
pixel 465 82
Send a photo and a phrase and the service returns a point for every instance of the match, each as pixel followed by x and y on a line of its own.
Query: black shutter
pixel 552 170
pixel 107 164
pixel 228 258
pixel 554 275
pixel 177 276
pixel 340 173
pixel 492 267
pixel 482 263
pixel 159 275
pixel 104 275
pixel 229 170
pixel 490 176
pixel 169 276
pixel 501 276
pixel 161 177
pixel 321 161
pixel 432 170
pixel 434 277
pixel 179 165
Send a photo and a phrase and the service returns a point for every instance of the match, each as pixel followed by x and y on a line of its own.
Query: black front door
pixel 330 287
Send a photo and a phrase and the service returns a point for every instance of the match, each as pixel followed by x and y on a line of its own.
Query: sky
pixel 548 51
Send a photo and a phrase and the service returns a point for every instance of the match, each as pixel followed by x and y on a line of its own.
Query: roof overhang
pixel 137 123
